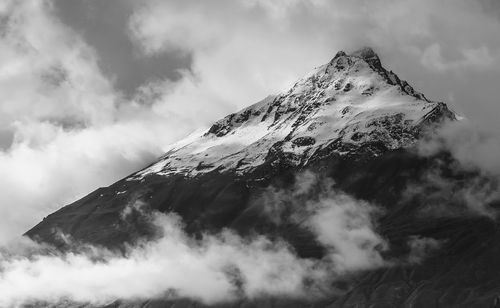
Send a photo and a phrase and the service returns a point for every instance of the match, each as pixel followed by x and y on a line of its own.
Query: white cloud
pixel 71 131
pixel 174 265
pixel 46 72
pixel 347 226
pixel 474 156
pixel 341 223
pixel 217 268
pixel 474 148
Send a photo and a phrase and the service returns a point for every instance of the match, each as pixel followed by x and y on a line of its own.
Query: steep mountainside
pixel 350 121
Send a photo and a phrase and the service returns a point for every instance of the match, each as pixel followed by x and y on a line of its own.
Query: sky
pixel 93 90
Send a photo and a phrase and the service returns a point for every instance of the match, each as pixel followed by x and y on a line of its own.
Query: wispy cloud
pixel 465 176
pixel 216 267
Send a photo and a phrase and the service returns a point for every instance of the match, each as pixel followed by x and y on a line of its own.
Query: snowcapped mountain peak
pixel 367 54
pixel 350 105
pixel 366 58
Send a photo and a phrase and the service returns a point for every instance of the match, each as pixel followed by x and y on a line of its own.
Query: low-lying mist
pixel 213 268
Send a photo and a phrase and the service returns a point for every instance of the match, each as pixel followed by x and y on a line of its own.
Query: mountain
pixel 341 107
pixel 351 122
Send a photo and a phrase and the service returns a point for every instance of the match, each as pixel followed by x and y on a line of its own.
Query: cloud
pixel 465 176
pixel 174 266
pixel 474 58
pixel 214 268
pixel 346 226
pixel 101 25
pixel 473 147
pixel 46 72
pixel 64 128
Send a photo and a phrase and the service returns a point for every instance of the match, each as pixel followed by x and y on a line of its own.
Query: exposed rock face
pixel 349 120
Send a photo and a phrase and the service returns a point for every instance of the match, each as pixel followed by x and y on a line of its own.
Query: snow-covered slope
pixel 346 103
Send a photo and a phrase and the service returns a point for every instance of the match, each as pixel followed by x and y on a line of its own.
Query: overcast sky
pixel 92 90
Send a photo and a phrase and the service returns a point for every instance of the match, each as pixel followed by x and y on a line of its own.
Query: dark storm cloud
pixel 104 26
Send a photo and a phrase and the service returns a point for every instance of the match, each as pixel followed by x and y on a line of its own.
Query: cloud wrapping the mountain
pixel 342 224
pixel 173 265
pixel 472 146
pixel 347 228
pixel 216 268
pixel 467 184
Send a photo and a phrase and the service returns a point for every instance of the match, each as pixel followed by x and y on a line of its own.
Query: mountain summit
pixel 347 106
